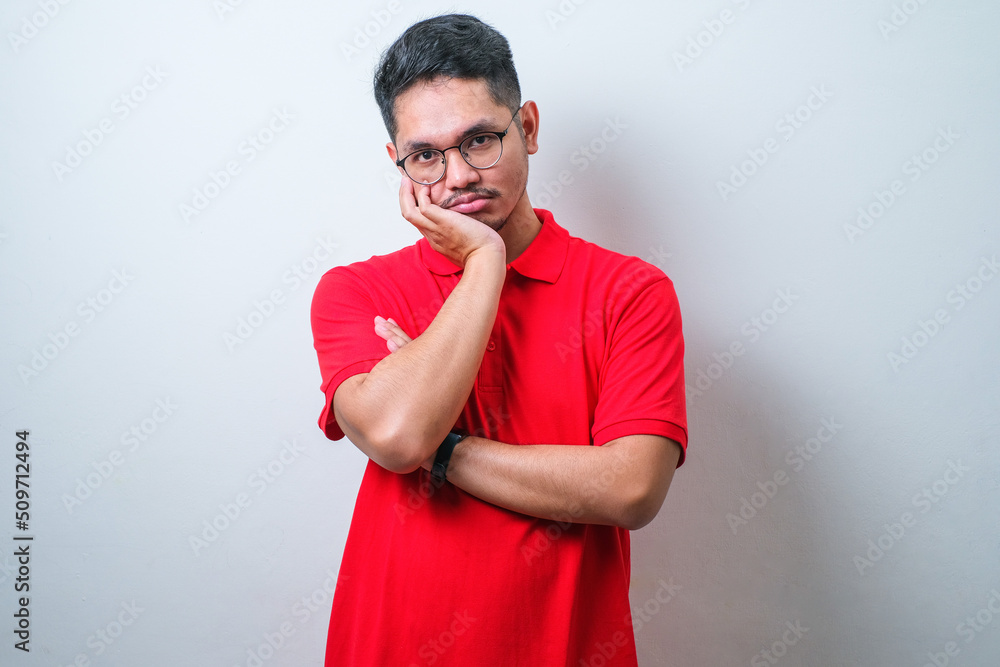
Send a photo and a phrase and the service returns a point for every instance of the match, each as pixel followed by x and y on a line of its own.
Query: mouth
pixel 469 203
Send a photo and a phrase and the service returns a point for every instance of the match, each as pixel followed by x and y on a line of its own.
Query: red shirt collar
pixel 543 259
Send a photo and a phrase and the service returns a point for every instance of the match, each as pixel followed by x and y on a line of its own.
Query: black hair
pixel 452 46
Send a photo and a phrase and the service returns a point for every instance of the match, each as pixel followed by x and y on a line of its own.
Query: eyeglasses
pixel 428 165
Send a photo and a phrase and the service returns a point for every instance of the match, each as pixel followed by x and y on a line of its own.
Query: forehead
pixel 443 110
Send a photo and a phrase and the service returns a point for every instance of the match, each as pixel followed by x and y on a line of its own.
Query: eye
pixel 481 141
pixel 424 157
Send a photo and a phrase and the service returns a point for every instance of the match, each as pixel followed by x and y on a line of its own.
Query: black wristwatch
pixel 443 456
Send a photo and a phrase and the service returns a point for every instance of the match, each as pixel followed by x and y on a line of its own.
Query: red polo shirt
pixel 586 348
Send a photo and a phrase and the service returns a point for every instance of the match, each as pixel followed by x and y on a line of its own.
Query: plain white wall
pixel 879 549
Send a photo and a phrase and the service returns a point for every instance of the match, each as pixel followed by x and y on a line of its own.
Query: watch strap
pixel 443 457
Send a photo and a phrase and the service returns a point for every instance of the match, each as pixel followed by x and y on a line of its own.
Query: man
pixel 560 362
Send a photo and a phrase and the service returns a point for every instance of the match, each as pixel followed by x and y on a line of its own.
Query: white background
pixel 848 547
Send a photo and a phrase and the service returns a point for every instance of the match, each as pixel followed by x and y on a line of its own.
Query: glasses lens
pixel 482 150
pixel 425 166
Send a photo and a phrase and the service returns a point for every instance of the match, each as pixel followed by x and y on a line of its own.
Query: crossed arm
pixel 398 414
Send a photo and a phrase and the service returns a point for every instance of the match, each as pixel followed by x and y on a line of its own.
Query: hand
pixel 455 235
pixel 388 330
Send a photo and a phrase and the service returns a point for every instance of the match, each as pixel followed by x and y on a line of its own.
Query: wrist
pixel 486 258
pixel 458 458
pixel 486 272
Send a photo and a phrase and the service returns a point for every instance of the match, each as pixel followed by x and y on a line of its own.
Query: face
pixel 443 113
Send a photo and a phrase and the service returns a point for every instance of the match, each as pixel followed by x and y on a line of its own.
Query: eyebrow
pixel 481 126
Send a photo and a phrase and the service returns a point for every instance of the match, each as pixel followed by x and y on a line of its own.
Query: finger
pixel 383 329
pixel 434 214
pixel 394 329
pixel 408 201
pixel 424 198
pixel 401 336
pixel 395 343
pixel 391 333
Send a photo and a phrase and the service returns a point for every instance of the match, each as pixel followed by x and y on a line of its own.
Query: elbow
pixel 391 439
pixel 398 450
pixel 634 518
pixel 641 493
pixel 400 462
pixel 639 508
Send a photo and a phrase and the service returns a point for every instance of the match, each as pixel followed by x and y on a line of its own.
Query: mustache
pixel 485 192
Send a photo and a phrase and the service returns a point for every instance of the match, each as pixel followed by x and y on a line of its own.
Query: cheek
pixel 516 175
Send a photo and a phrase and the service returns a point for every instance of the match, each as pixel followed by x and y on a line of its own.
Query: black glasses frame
pixel 444 157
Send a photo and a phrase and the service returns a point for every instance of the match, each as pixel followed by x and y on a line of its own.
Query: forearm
pixel 622 483
pixel 402 409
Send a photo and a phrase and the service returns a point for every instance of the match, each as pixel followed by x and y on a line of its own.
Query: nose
pixel 458 173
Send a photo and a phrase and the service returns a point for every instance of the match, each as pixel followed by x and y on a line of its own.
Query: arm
pixel 622 483
pixel 399 413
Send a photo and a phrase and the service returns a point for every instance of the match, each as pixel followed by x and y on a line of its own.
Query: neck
pixel 521 229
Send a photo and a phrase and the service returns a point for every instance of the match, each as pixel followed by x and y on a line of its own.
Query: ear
pixel 391 150
pixel 529 121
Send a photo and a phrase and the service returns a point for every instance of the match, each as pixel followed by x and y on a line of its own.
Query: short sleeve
pixel 642 380
pixel 343 319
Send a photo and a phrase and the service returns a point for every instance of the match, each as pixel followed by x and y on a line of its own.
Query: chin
pixel 491 221
pixel 496 224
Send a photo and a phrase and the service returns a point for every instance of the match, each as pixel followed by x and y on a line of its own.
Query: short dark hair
pixel 453 46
